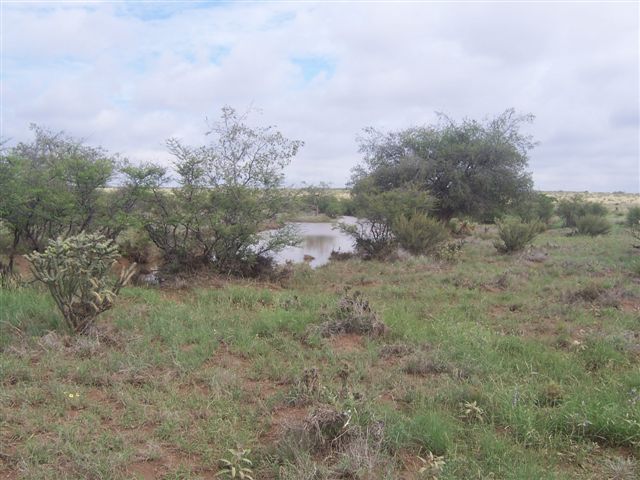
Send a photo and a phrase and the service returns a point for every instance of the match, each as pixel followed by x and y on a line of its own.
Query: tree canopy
pixel 473 168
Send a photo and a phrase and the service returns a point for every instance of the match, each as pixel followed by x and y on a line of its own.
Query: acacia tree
pixel 56 185
pixel 470 168
pixel 50 188
pixel 228 191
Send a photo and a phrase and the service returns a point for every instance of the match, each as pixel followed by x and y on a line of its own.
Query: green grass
pixel 178 377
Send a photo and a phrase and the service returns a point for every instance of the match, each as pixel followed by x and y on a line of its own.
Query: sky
pixel 128 75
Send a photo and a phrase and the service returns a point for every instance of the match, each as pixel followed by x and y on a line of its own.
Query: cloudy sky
pixel 128 75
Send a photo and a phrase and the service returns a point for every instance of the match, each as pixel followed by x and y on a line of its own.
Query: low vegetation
pixel 76 271
pixel 515 234
pixel 426 353
pixel 504 366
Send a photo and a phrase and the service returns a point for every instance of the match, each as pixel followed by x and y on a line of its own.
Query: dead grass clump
pixel 423 366
pixel 353 315
pixel 596 294
pixel 348 450
pixel 396 350
pixel 307 389
pixel 95 340
pixel 364 454
pixel 338 256
pixel 327 428
pixel 54 342
pixel 621 468
pixel 535 255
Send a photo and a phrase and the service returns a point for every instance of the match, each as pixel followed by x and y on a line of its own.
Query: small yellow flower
pixel 71 395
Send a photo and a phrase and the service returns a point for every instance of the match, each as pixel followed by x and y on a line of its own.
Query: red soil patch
pixel 158 468
pixel 223 357
pixel 630 305
pixel 261 389
pixel 282 420
pixel 348 343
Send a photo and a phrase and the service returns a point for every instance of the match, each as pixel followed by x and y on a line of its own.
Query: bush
pixel 375 236
pixel 515 234
pixel 419 233
pixel 592 225
pixel 633 217
pixel 373 240
pixel 537 206
pixel 227 192
pixel 135 246
pixel 461 227
pixel 573 209
pixel 449 251
pixel 76 272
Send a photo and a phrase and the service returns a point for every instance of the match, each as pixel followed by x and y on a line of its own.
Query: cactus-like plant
pixel 76 272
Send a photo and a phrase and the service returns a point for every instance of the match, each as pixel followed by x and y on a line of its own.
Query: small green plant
pixel 472 412
pixel 238 465
pixel 76 272
pixel 515 234
pixel 449 251
pixel 592 225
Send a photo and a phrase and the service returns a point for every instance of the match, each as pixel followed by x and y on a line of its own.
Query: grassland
pixel 514 367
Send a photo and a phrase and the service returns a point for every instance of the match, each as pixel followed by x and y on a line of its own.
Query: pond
pixel 318 241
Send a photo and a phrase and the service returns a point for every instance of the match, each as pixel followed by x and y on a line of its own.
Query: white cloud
pixel 129 76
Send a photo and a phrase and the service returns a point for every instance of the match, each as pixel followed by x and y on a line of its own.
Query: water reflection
pixel 318 241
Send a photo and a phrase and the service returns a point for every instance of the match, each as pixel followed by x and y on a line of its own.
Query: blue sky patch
pixel 311 67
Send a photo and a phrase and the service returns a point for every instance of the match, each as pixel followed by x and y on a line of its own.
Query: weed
pixel 307 389
pixel 238 465
pixel 449 251
pixel 431 466
pixel 470 411
pixel 621 469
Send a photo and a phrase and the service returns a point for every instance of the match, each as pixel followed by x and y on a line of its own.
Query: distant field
pixel 611 200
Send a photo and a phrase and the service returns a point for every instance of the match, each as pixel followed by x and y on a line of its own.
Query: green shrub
pixel 515 234
pixel 570 210
pixel 461 227
pixel 593 225
pixel 135 246
pixel 372 240
pixel 76 272
pixel 419 233
pixel 537 206
pixel 633 217
pixel 9 279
